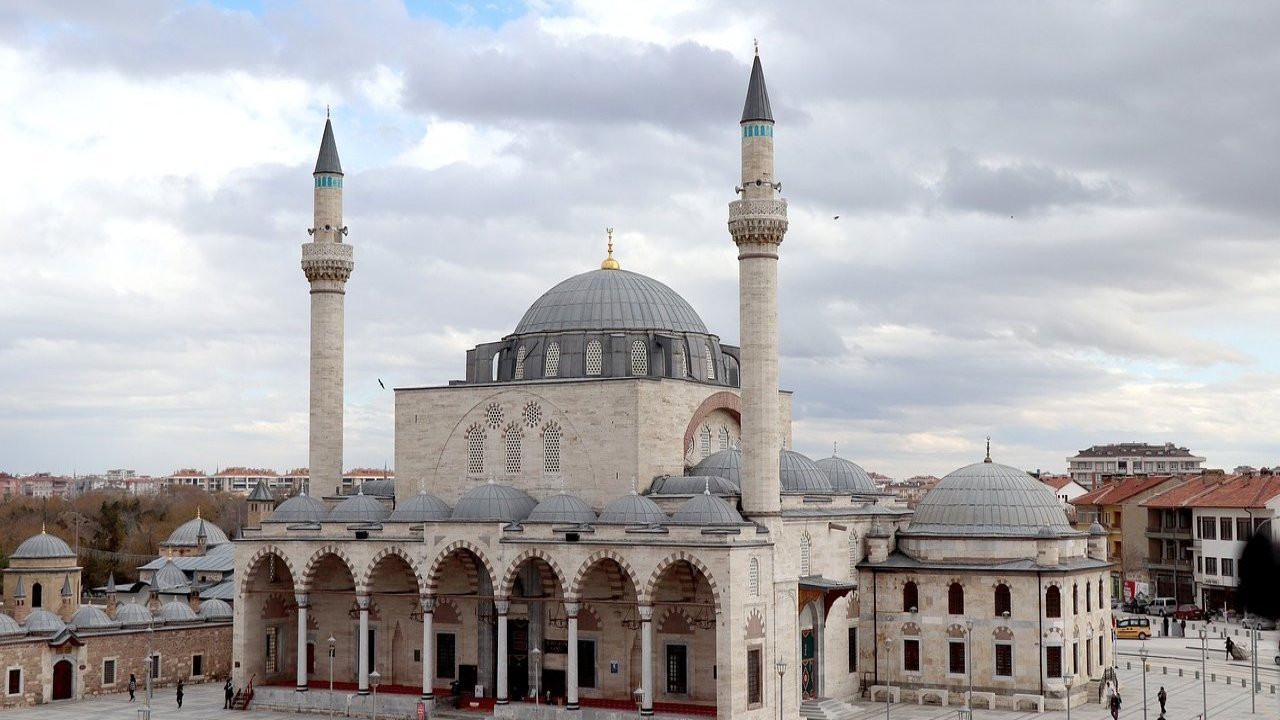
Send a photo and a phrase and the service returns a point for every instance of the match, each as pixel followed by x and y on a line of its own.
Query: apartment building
pixel 1091 466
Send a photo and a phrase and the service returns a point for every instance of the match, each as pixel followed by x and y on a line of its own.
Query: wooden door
pixel 62 680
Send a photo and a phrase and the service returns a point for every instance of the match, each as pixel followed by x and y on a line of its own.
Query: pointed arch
pixel 364 581
pixel 672 559
pixel 261 554
pixel 513 569
pixel 434 568
pixel 309 571
pixel 575 587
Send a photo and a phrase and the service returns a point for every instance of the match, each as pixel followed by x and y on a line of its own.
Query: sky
pixel 1052 223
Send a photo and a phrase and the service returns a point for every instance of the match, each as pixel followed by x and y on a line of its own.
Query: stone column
pixel 646 659
pixel 428 646
pixel 302 640
pixel 500 692
pixel 363 661
pixel 571 673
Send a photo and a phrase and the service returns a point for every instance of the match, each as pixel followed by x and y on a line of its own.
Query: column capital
pixel 571 608
pixel 502 606
pixel 428 603
pixel 646 613
pixel 362 601
pixel 303 599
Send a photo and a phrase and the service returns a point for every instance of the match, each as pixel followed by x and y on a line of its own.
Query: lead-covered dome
pixel 43 546
pixel 133 615
pixel 563 509
pixel 301 508
pixel 492 502
pixel 603 300
pixel 846 476
pixel 43 622
pixel 170 579
pixel 706 509
pixel 423 507
pixel 92 618
pixel 178 612
pixel 10 627
pixel 359 508
pixel 188 533
pixel 797 474
pixel 215 610
pixel 632 509
pixel 989 499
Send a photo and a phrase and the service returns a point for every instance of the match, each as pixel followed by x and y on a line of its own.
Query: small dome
pixel 492 502
pixel 378 488
pixel 423 507
pixel 692 485
pixel 801 476
pixel 1096 529
pixel 177 611
pixel 188 532
pixel 301 508
pixel 43 622
pixel 92 618
pixel 170 579
pixel 706 509
pixel 9 626
pixel 989 499
pixel 632 509
pixel 846 476
pixel 359 508
pixel 43 545
pixel 605 300
pixel 562 509
pixel 134 615
pixel 215 610
pixel 725 464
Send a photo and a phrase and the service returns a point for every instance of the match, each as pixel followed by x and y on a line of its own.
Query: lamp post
pixel 374 677
pixel 333 646
pixel 888 670
pixel 1068 681
pixel 151 661
pixel 968 661
pixel 638 696
pixel 1204 678
pixel 781 666
pixel 536 655
pixel 1253 681
pixel 1142 653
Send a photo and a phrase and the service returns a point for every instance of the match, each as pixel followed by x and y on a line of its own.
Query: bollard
pixel 1273 689
pixel 1164 669
pixel 1197 675
pixel 1179 672
pixel 1127 665
pixel 1213 677
pixel 1242 683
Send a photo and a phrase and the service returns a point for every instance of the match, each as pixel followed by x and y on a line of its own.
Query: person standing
pixel 1162 696
pixel 1183 625
pixel 1230 646
pixel 228 693
pixel 179 694
pixel 1115 706
pixel 133 685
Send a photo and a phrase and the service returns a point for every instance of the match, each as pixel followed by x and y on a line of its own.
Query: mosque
pixel 606 513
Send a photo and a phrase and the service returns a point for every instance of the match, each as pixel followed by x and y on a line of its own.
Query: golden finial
pixel 609 263
pixel 988 459
pixel 42 530
pixel 197 512
pixel 757 41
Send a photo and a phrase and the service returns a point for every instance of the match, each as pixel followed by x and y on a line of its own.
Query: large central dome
pixel 605 300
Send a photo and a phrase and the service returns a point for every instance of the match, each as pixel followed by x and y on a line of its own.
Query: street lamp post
pixel 1068 681
pixel 1204 678
pixel 638 696
pixel 536 655
pixel 781 666
pixel 374 677
pixel 333 646
pixel 1142 653
pixel 1253 681
pixel 968 661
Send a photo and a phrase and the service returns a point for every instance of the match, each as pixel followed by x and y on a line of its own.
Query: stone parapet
pixel 329 261
pixel 756 221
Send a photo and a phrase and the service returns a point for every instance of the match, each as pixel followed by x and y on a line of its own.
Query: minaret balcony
pixel 762 209
pixel 327 261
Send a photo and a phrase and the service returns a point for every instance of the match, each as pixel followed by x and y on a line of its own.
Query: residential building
pixel 1091 466
pixel 1117 506
pixel 1065 487
pixel 1223 520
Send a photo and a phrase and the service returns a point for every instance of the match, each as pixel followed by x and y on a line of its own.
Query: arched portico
pixel 338 610
pixel 686 614
pixel 464 650
pixel 269 616
pixel 615 628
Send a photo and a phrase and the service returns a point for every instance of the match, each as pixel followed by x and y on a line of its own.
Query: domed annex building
pixel 606 513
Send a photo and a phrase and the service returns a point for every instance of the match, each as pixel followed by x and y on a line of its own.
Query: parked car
pixel 1188 612
pixel 1134 628
pixel 1161 606
pixel 1138 607
pixel 1254 622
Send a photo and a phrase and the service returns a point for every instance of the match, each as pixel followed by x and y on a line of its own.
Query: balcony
pixel 1168 532
pixel 1169 563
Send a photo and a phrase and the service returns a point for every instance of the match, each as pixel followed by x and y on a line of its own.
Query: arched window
pixel 1100 603
pixel 1075 599
pixel 955 599
pixel 753 577
pixel 1004 602
pixel 682 363
pixel 724 438
pixel 511 442
pixel 595 358
pixel 853 554
pixel 1088 598
pixel 1053 602
pixel 704 440
pixel 37 595
pixel 639 358
pixel 806 567
pixel 711 361
pixel 551 449
pixel 520 363
pixel 475 450
pixel 551 366
pixel 910 597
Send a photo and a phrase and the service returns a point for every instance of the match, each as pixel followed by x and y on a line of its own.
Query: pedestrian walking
pixel 179 694
pixel 1115 706
pixel 1166 626
pixel 1162 696
pixel 133 685
pixel 1230 646
pixel 1183 623
pixel 228 693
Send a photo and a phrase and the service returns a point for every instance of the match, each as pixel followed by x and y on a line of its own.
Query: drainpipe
pixel 1040 638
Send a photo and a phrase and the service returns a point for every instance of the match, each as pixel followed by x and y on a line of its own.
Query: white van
pixel 1162 606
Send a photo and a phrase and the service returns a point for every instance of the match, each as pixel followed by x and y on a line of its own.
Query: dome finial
pixel 988 458
pixel 757 42
pixel 609 263
pixel 835 446
pixel 197 512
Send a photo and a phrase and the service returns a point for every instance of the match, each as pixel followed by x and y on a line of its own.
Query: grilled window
pixel 805 556
pixel 475 450
pixel 955 657
pixel 911 655
pixel 711 361
pixel 753 577
pixel 520 354
pixel 595 357
pixel 639 358
pixel 109 672
pixel 551 449
pixel 755 694
pixel 1053 661
pixel 551 366
pixel 511 442
pixel 1004 660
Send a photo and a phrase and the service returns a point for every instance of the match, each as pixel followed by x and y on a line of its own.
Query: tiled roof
pixel 1134 449
pixel 369 472
pixel 187 472
pixel 1118 491
pixel 220 558
pixel 1182 495
pixel 243 471
pixel 1236 491
pixel 1057 482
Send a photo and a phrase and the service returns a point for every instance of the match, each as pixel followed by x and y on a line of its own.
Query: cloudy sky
pixel 1057 221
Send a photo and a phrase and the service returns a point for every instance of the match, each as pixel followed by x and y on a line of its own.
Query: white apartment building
pixel 1223 520
pixel 1088 467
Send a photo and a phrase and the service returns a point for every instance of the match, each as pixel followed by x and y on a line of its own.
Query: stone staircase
pixel 826 709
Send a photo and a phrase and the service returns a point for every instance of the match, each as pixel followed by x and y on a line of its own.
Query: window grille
pixel 594 357
pixel 755 695
pixel 911 655
pixel 704 440
pixel 1053 661
pixel 108 672
pixel 511 442
pixel 724 438
pixel 493 415
pixel 753 577
pixel 532 414
pixel 552 364
pixel 520 354
pixel 853 554
pixel 853 649
pixel 475 450
pixel 682 363
pixel 639 358
pixel 1075 599
pixel 955 658
pixel 711 361
pixel 805 559
pixel 551 449
pixel 1004 660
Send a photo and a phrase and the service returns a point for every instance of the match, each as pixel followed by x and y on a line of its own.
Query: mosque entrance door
pixel 62 680
pixel 518 659
pixel 808 665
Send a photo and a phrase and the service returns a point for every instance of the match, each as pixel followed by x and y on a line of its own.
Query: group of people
pixel 133 690
pixel 1111 698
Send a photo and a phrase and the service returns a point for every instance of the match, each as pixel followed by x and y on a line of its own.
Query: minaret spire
pixel 327 262
pixel 758 223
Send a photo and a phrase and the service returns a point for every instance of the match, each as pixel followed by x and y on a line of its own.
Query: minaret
pixel 757 222
pixel 327 263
